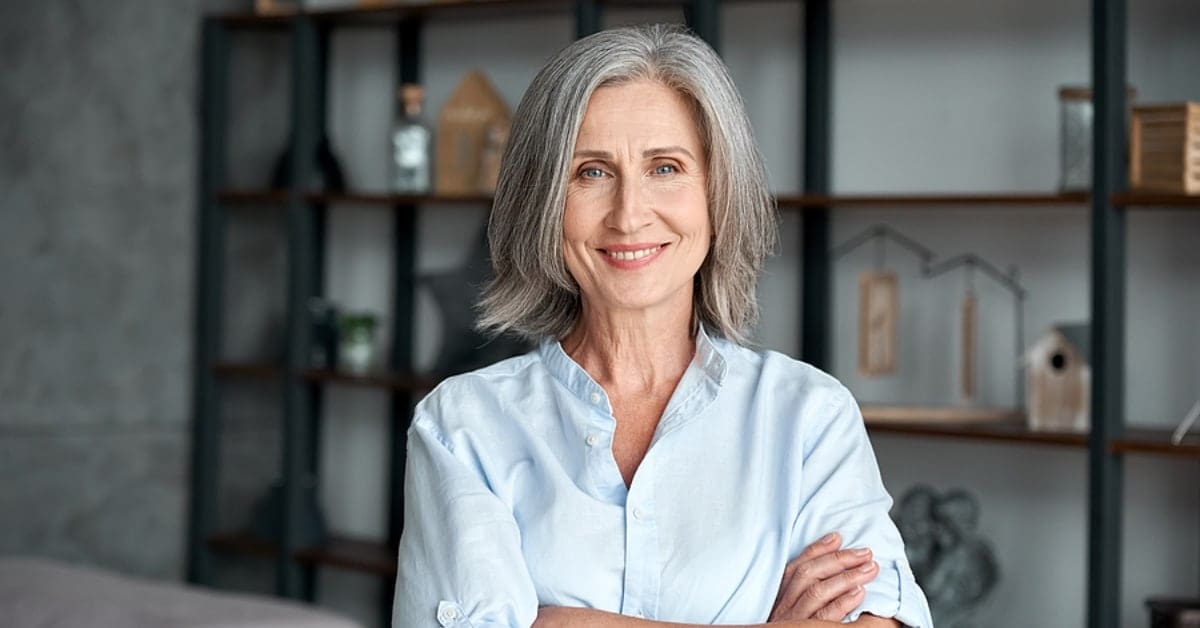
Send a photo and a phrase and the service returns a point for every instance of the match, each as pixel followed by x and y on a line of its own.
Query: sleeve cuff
pixel 894 593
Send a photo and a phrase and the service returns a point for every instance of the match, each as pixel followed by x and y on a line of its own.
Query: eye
pixel 591 173
pixel 665 169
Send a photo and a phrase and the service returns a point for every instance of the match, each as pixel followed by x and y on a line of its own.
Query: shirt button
pixel 596 398
pixel 449 613
pixel 639 514
pixel 592 440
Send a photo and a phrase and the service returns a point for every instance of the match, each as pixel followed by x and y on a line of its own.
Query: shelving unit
pixel 304 213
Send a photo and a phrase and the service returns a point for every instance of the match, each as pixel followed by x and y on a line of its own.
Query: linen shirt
pixel 513 499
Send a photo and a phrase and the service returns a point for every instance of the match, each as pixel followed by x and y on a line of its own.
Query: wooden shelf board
pixel 250 20
pixel 355 554
pixel 986 424
pixel 383 379
pixel 338 551
pixel 1144 200
pixel 1152 441
pixel 384 13
pixel 252 197
pixel 384 198
pixel 257 370
pixel 931 200
pixel 242 543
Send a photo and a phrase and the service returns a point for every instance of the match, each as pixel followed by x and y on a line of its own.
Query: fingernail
pixel 862 553
pixel 828 538
pixel 867 568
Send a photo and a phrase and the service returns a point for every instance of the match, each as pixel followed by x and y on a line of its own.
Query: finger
pixel 821 547
pixel 803 574
pixel 828 591
pixel 807 597
pixel 824 545
pixel 839 608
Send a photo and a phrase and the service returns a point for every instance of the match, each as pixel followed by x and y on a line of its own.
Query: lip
pixel 632 264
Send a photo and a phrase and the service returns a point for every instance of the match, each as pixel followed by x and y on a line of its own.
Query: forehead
pixel 641 109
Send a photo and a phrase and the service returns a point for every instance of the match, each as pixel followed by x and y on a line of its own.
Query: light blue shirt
pixel 513 499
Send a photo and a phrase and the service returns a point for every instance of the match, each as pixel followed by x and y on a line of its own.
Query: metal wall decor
pixel 879 304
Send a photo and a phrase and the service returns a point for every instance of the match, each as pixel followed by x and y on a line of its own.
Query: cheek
pixel 574 223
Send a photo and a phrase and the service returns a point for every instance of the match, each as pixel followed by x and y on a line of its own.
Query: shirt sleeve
pixel 460 560
pixel 844 493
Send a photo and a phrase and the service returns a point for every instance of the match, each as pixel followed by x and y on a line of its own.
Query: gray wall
pixel 96 264
pixel 98 165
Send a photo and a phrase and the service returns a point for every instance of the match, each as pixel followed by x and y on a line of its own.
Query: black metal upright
pixel 1108 313
pixel 404 245
pixel 587 18
pixel 298 416
pixel 210 245
pixel 704 18
pixel 817 293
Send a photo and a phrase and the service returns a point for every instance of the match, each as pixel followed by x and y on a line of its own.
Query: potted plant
pixel 356 339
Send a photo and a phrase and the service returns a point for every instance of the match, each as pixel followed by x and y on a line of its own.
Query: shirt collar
pixel 709 359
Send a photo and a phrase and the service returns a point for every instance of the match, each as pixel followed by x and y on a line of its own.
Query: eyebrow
pixel 650 152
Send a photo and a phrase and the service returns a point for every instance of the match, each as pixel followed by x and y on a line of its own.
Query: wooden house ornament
pixel 1059 386
pixel 473 119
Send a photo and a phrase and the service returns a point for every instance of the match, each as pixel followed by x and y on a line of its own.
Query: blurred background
pixel 101 116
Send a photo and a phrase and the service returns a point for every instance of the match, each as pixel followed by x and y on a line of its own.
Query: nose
pixel 630 208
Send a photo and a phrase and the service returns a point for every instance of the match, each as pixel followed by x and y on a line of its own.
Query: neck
pixel 633 350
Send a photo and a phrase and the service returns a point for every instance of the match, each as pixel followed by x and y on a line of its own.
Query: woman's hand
pixel 824 582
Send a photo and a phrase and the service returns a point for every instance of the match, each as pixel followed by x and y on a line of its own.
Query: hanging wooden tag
pixel 968 347
pixel 878 309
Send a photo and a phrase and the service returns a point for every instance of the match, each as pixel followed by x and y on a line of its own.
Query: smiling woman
pixel 642 464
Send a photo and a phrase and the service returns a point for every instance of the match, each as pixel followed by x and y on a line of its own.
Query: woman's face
pixel 636 226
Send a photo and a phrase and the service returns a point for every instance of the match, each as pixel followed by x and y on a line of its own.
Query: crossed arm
pixel 453 569
pixel 819 587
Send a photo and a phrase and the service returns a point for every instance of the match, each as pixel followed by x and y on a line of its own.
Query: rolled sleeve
pixel 845 494
pixel 460 561
pixel 894 593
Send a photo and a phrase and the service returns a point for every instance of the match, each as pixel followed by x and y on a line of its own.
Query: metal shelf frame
pixel 305 215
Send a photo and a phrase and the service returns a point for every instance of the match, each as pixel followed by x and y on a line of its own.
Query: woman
pixel 641 465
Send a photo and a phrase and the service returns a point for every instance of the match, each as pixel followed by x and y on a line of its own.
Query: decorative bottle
pixel 410 143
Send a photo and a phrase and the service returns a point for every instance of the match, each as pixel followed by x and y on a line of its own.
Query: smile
pixel 632 255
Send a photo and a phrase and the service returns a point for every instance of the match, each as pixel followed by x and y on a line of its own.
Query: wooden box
pixel 1164 149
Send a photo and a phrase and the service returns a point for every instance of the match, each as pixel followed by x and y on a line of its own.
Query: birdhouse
pixel 471 132
pixel 1059 384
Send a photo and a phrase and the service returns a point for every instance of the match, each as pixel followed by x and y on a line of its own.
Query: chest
pixel 699 538
pixel 637 419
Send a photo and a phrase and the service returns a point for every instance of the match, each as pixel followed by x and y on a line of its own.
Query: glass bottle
pixel 410 143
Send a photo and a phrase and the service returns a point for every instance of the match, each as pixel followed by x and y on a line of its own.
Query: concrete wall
pixel 96 261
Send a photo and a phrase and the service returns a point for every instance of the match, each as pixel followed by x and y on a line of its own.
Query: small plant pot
pixel 356 342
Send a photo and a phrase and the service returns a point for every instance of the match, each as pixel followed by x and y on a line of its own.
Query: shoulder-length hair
pixel 531 293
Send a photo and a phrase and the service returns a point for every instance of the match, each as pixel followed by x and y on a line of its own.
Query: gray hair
pixel 532 294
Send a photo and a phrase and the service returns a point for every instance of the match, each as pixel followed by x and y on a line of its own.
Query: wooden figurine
pixel 878 307
pixel 474 114
pixel 1060 380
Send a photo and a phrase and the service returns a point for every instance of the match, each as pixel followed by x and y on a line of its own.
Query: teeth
pixel 632 255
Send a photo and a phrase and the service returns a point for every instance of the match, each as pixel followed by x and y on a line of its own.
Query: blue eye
pixel 660 169
pixel 591 173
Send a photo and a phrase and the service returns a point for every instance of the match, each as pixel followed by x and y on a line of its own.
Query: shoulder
pixel 790 380
pixel 462 400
